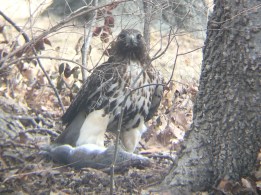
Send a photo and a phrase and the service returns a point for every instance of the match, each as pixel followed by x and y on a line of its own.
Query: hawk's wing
pixel 158 92
pixel 93 95
pixel 156 98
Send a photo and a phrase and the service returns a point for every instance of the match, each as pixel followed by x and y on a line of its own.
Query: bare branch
pixel 38 60
pixel 174 64
pixel 43 57
pixel 49 80
pixel 26 38
pixel 181 54
pixel 74 15
pixel 156 55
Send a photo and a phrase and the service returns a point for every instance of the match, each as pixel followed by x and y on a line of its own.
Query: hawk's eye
pixel 122 36
pixel 139 36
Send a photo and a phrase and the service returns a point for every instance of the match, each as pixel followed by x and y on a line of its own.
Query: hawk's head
pixel 130 43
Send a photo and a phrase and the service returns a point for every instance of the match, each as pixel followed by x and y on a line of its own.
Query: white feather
pixel 93 129
pixel 90 149
pixel 132 137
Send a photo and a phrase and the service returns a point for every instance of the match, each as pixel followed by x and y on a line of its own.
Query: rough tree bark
pixel 225 136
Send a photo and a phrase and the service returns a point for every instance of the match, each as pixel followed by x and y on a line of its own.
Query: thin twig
pixel 42 131
pixel 39 131
pixel 181 54
pixel 26 38
pixel 32 119
pixel 167 46
pixel 78 13
pixel 155 56
pixel 84 52
pixel 11 168
pixel 49 80
pixel 174 63
pixel 24 174
pixel 8 144
pixel 44 57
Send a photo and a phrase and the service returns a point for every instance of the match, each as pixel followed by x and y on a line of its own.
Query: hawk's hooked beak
pixel 131 41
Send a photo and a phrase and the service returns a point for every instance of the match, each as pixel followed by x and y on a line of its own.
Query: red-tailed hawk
pixel 97 106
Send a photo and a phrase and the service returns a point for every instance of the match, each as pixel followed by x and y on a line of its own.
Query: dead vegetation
pixel 30 103
pixel 30 112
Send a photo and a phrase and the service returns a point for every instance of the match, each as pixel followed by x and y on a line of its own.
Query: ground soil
pixel 26 169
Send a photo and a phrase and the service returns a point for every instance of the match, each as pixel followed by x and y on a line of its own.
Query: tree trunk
pixel 147 19
pixel 225 136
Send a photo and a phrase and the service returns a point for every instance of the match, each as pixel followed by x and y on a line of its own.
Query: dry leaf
pixel 225 185
pixel 61 68
pixel 165 136
pixel 249 184
pixel 3 53
pixel 109 21
pixel 67 71
pixel 74 70
pixel 107 30
pixel 78 46
pixel 180 119
pixel 47 42
pixel 23 138
pixel 2 28
pixel 97 31
pixel 104 37
pixel 39 45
